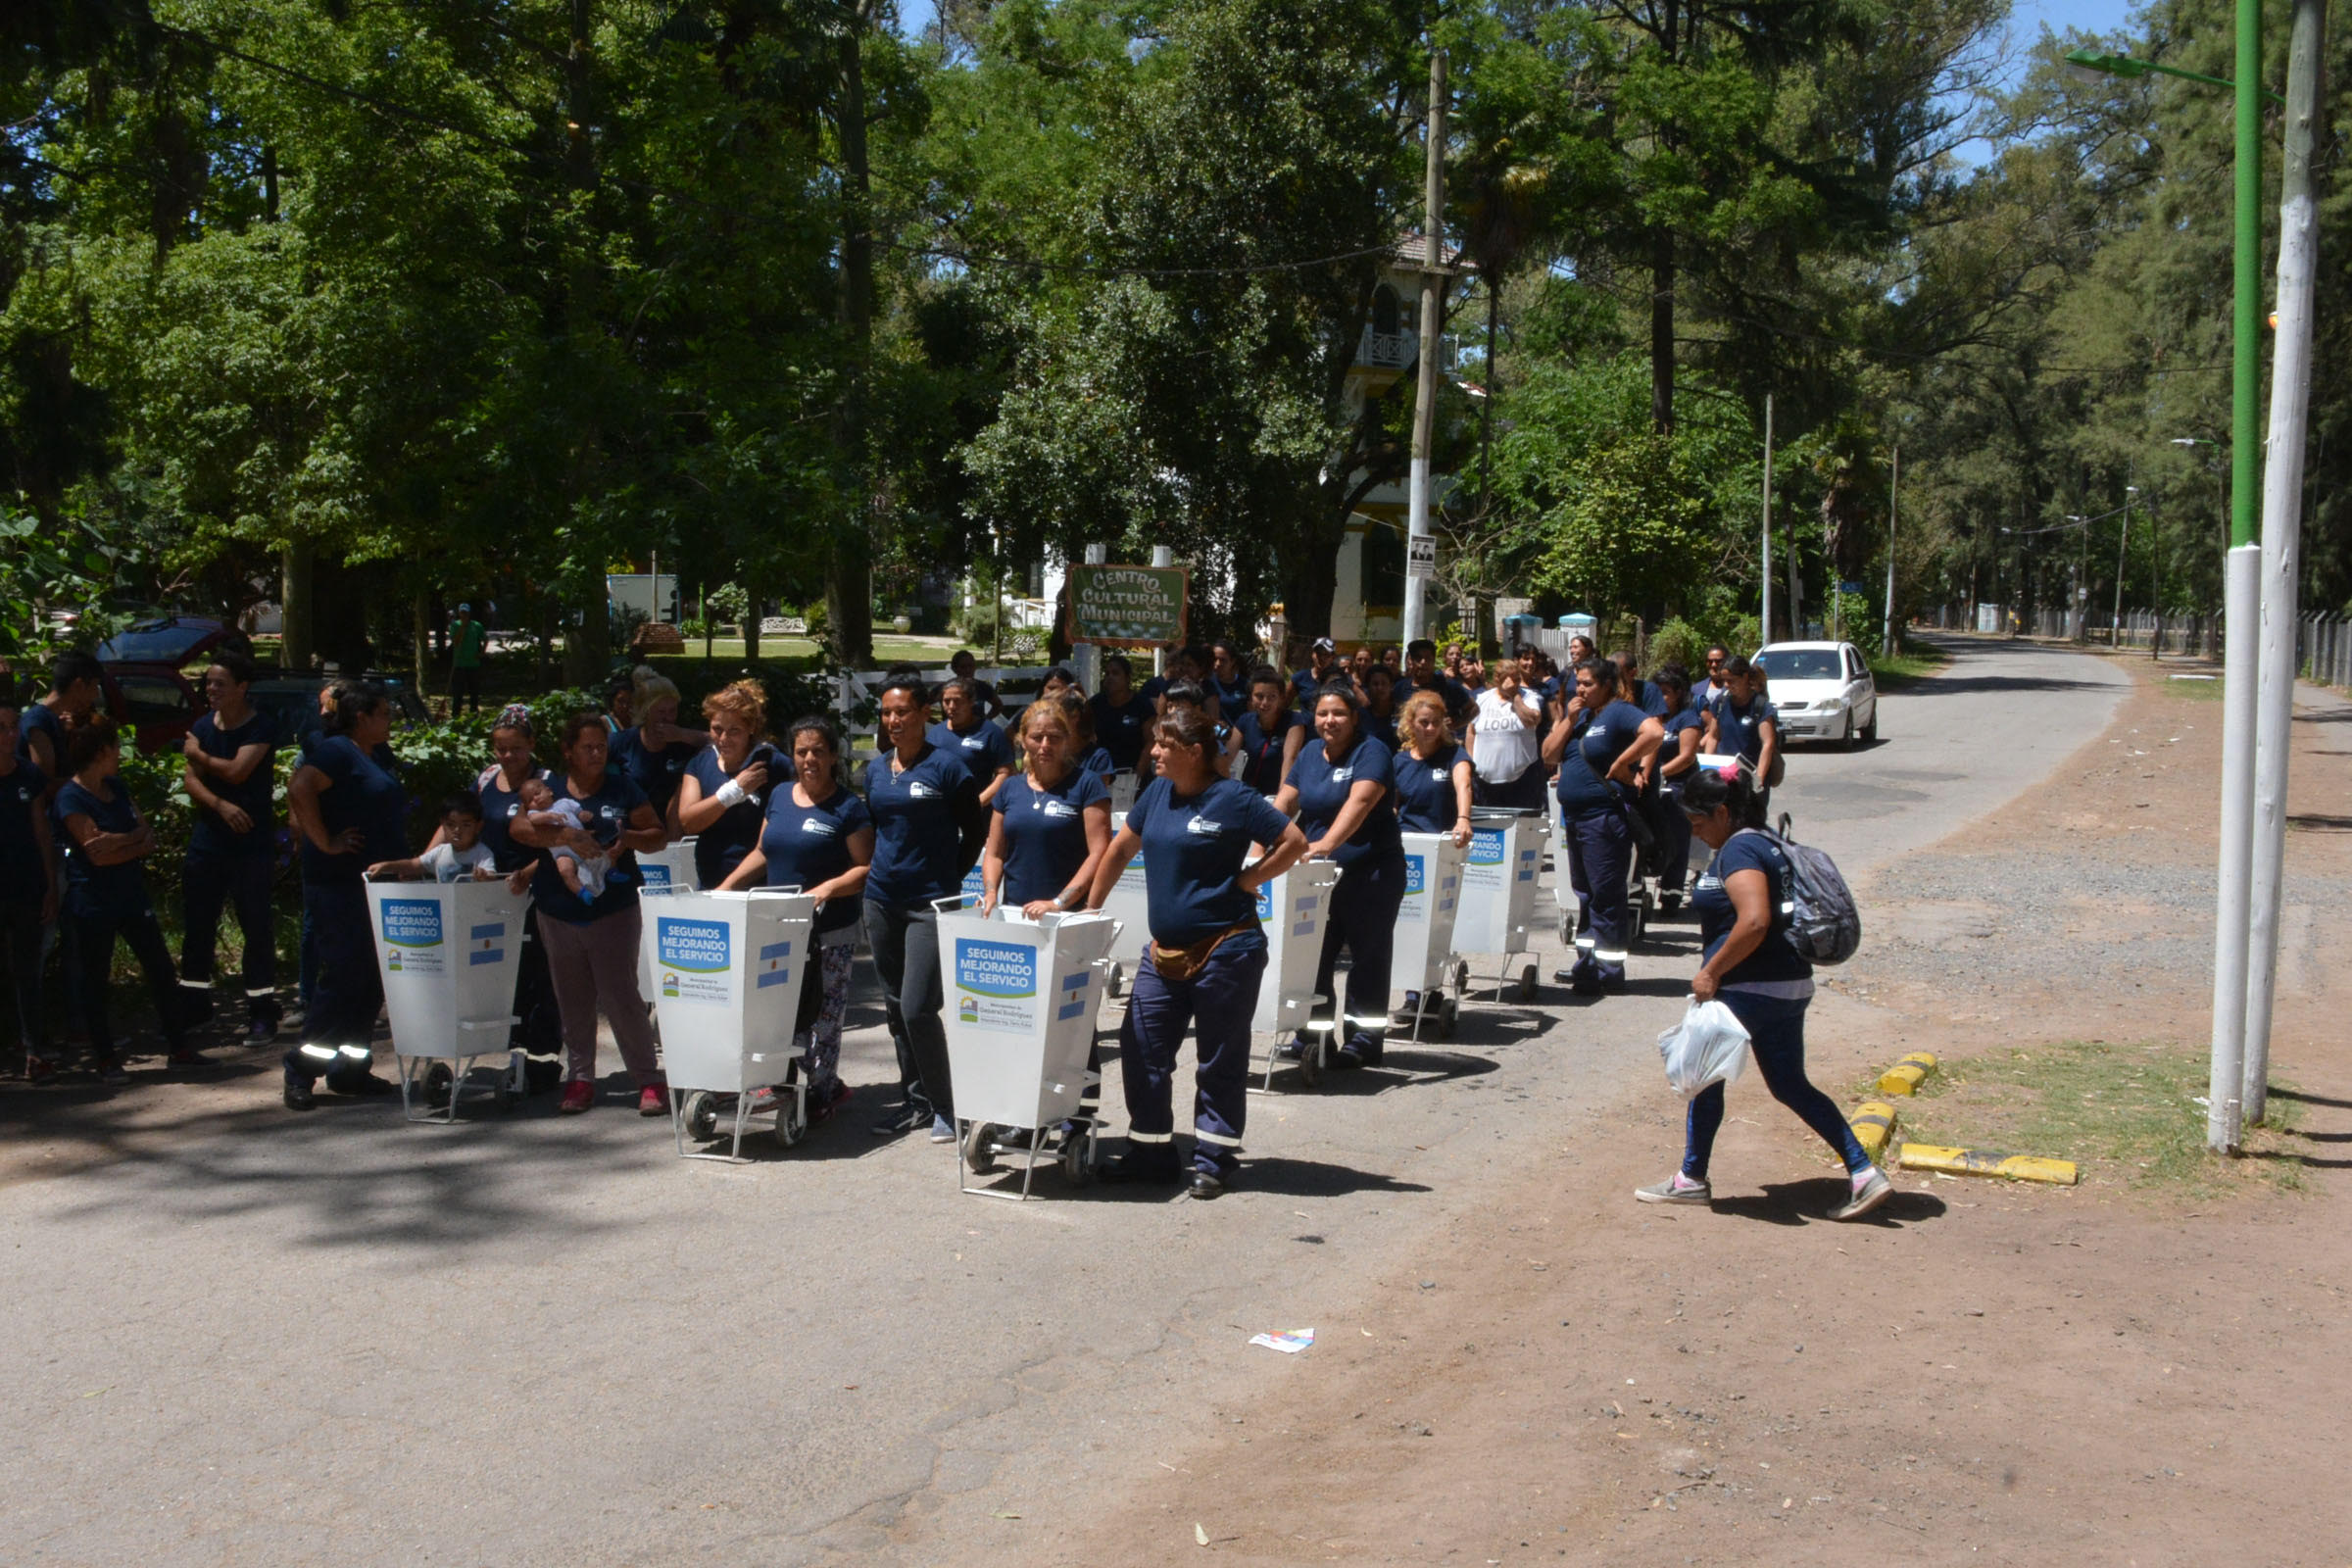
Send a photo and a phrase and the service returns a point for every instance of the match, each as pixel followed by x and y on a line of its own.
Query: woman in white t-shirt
pixel 1502 743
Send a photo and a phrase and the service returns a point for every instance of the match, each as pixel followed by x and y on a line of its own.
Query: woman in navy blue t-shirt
pixel 1208 952
pixel 106 893
pixel 1271 733
pixel 1432 774
pixel 1599 742
pixel 1047 824
pixel 817 837
pixel 1742 902
pixel 1122 716
pixel 1341 788
pixel 928 826
pixel 722 800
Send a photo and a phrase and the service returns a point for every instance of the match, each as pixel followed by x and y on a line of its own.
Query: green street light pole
pixel 2241 579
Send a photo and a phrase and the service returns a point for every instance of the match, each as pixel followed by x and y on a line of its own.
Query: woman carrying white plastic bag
pixel 1709 1046
pixel 1750 966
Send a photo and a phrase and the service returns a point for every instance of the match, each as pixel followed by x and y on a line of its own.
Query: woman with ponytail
pixel 1742 901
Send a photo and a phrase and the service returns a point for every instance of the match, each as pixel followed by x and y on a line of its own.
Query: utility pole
pixel 2282 538
pixel 1764 617
pixel 1894 493
pixel 2122 543
pixel 1424 403
pixel 2241 579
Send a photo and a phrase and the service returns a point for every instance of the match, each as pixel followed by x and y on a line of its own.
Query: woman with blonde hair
pixel 1429 772
pixel 1048 823
pixel 722 798
pixel 653 754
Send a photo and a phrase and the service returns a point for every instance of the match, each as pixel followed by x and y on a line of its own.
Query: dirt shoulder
pixel 2133 1370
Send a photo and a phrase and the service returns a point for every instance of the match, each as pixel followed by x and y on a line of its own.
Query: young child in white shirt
pixel 459 857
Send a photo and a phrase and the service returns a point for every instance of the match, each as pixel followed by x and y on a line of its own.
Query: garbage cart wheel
pixel 440 1085
pixel 1448 1009
pixel 1310 1064
pixel 1076 1168
pixel 700 1113
pixel 1461 976
pixel 1114 980
pixel 979 1147
pixel 1567 927
pixel 1527 983
pixel 791 1119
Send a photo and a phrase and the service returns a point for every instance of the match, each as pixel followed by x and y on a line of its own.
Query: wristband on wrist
pixel 732 794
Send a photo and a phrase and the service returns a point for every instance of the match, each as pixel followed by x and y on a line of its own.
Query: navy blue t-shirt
pixel 1381 727
pixel 1122 727
pixel 1425 800
pixel 1099 762
pixel 1593 746
pixel 1044 833
pixel 810 845
pixel 1650 698
pixel 1231 699
pixel 608 809
pixel 721 847
pixel 1774 960
pixel 1676 724
pixel 500 806
pixel 40 718
pixel 23 875
pixel 253 797
pixel 1260 762
pixel 1323 787
pixel 656 773
pixel 1452 693
pixel 1193 849
pixel 362 793
pixel 98 892
pixel 919 817
pixel 1742 729
pixel 985 749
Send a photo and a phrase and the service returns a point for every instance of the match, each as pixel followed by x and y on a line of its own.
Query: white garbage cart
pixel 1130 904
pixel 1125 785
pixel 448 953
pixel 1424 960
pixel 1499 893
pixel 1022 999
pixel 728 970
pixel 1293 910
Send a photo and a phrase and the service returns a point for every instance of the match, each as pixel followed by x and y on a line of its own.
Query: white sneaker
pixel 1867 1196
pixel 1676 1188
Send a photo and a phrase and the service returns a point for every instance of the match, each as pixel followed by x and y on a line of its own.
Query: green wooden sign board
pixel 1128 607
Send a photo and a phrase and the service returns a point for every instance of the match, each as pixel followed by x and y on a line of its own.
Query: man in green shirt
pixel 465 639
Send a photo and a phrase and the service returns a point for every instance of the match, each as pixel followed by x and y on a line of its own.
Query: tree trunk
pixel 850 578
pixel 420 642
pixel 1661 330
pixel 751 619
pixel 297 565
pixel 587 644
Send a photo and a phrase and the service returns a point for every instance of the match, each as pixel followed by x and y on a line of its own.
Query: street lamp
pixel 2241 575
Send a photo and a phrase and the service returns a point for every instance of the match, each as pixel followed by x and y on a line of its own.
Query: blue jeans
pixel 1600 849
pixel 1218 1004
pixel 1361 918
pixel 1776 1031
pixel 209 883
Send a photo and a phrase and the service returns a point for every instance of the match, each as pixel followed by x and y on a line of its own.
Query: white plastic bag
pixel 1709 1046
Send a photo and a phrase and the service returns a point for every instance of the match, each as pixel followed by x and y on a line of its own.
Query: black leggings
pixel 93 953
pixel 905 938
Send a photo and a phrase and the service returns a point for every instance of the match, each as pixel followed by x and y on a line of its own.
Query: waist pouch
pixel 1183 963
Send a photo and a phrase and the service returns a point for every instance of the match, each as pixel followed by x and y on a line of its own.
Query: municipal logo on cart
pixel 412 930
pixel 995 985
pixel 697 959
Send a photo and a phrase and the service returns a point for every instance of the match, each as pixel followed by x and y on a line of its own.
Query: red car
pixel 147 689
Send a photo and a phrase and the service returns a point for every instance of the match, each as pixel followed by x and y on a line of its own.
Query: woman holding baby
pixel 588 910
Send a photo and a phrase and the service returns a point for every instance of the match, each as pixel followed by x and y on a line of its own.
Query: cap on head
pixel 465 610
pixel 1324 645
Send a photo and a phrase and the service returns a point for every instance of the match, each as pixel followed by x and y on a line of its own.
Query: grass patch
pixel 1892 671
pixel 2127 1113
pixel 799 652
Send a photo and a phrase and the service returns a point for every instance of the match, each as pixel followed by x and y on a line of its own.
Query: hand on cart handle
pixel 1461 833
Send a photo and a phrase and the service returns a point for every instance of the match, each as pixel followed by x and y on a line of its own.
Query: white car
pixel 1821 691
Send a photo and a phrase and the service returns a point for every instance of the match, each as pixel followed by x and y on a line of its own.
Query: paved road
pixel 530 1341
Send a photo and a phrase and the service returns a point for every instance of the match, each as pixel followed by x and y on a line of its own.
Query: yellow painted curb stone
pixel 1982 1162
pixel 1873 1122
pixel 1906 1075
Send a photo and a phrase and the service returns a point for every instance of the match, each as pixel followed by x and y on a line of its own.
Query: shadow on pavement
pixel 1810 1202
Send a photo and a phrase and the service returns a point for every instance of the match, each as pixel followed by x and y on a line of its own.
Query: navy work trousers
pixel 93 954
pixel 241 882
pixel 1600 849
pixel 349 991
pixel 20 933
pixel 1217 1003
pixel 1673 839
pixel 1776 1033
pixel 1361 917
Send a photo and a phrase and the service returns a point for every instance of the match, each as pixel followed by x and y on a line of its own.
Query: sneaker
pixel 298 1092
pixel 903 1119
pixel 1875 1190
pixel 111 1073
pixel 187 1056
pixel 579 1097
pixel 1676 1188
pixel 943 1131
pixel 39 1069
pixel 262 1031
pixel 653 1101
